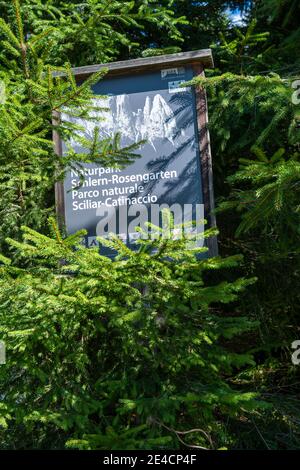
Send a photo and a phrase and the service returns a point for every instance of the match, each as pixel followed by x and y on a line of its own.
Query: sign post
pixel 147 100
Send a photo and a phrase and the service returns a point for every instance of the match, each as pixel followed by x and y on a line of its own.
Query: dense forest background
pixel 203 356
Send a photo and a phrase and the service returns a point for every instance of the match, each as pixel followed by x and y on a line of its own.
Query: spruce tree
pixel 254 124
pixel 118 354
pixel 35 92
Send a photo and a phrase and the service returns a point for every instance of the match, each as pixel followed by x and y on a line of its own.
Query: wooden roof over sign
pixel 203 56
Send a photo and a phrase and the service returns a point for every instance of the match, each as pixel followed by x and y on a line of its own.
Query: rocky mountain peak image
pixel 153 120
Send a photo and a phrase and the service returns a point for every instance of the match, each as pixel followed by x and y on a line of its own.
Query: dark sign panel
pixel 157 107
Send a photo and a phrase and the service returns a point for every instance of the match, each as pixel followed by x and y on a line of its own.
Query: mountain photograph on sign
pixel 155 119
